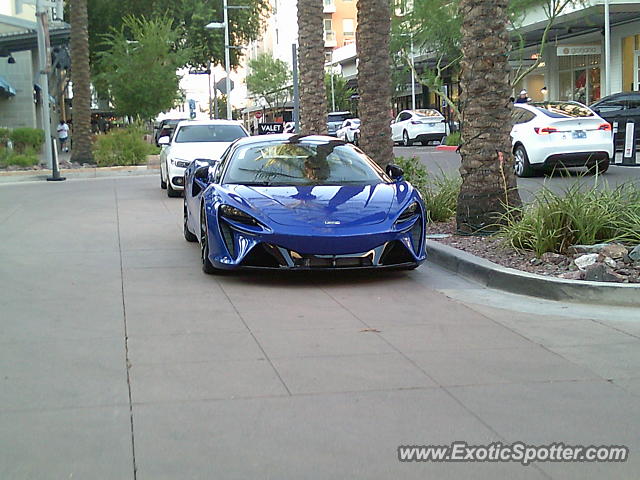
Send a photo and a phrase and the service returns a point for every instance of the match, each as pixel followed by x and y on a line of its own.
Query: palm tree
pixel 374 79
pixel 81 77
pixel 313 108
pixel 488 180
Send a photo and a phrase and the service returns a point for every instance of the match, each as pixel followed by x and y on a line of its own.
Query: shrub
pixel 440 191
pixel 7 157
pixel 124 146
pixel 5 135
pixel 555 221
pixel 453 139
pixel 27 139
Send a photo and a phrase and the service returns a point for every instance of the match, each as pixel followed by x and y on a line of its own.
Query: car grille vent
pixel 261 256
pixel 395 253
pixel 227 235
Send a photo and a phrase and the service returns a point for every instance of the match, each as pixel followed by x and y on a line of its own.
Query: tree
pixel 338 93
pixel 313 108
pixel 81 76
pixel 269 80
pixel 435 27
pixel 488 180
pixel 374 79
pixel 139 67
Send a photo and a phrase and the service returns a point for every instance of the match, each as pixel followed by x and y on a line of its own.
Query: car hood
pixel 326 206
pixel 191 151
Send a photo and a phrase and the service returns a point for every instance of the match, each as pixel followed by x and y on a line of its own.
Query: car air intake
pixel 395 253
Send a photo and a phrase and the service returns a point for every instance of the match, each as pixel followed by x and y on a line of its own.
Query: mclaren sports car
pixel 301 203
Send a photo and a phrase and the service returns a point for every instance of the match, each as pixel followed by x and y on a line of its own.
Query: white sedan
pixel 349 131
pixel 547 135
pixel 207 139
pixel 422 126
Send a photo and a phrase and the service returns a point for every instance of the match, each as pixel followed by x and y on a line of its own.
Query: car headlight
pixel 178 162
pixel 409 212
pixel 237 215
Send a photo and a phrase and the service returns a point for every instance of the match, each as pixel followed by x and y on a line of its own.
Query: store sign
pixel 567 50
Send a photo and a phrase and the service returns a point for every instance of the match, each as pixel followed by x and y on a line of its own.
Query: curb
pixel 92 172
pixel 510 280
pixel 447 148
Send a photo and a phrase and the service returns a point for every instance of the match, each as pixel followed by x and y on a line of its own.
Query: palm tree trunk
pixel 81 77
pixel 374 79
pixel 488 180
pixel 313 105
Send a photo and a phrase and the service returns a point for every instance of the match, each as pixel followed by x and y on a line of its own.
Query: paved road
pixel 449 162
pixel 269 376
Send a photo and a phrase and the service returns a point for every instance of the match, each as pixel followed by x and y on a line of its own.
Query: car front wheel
pixel 207 266
pixel 163 183
pixel 522 167
pixel 188 236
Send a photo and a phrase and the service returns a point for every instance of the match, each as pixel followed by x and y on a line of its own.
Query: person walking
pixel 63 135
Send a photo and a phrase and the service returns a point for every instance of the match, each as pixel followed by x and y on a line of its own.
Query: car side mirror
pixel 395 172
pixel 164 140
pixel 202 173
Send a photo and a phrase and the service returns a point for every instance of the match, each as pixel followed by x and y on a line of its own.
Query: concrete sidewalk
pixel 119 359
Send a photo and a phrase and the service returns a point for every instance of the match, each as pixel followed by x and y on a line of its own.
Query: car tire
pixel 356 139
pixel 406 141
pixel 600 167
pixel 522 167
pixel 188 236
pixel 171 192
pixel 163 184
pixel 443 140
pixel 207 266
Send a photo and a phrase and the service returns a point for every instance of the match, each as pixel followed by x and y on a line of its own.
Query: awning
pixel 6 90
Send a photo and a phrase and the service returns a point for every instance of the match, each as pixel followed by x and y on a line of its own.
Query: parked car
pixel 422 126
pixel 349 131
pixel 335 120
pixel 166 127
pixel 194 139
pixel 300 203
pixel 620 108
pixel 547 135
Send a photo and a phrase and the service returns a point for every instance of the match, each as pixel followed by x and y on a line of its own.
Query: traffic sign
pixel 222 85
pixel 258 115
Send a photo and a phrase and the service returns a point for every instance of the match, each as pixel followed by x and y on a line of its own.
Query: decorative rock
pixel 635 254
pixel 575 275
pixel 586 260
pixel 587 248
pixel 615 251
pixel 610 262
pixel 599 272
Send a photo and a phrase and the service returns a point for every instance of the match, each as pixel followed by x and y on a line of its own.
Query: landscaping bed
pixel 622 269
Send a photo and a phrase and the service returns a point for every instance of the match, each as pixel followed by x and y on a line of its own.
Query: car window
pixel 428 113
pixel 516 115
pixel 610 107
pixel 209 133
pixel 337 117
pixel 300 164
pixel 563 109
pixel 404 116
pixel 633 103
pixel 527 116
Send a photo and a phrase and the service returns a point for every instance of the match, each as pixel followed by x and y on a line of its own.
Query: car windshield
pixel 428 113
pixel 563 109
pixel 338 117
pixel 312 163
pixel 209 133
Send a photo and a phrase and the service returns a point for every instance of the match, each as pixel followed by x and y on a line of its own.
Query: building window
pixel 347 27
pixel 328 25
pixel 579 78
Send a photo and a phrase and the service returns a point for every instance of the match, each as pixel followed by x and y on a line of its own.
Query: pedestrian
pixel 63 135
pixel 523 97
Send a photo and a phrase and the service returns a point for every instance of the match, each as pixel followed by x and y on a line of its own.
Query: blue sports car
pixel 304 203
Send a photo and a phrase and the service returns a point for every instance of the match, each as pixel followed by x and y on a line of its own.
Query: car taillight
pixel 605 126
pixel 545 130
pixel 416 122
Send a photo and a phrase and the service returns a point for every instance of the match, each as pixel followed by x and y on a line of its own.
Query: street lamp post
pixel 227 61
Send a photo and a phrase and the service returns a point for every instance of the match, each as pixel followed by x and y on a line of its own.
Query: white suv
pixel 194 139
pixel 422 126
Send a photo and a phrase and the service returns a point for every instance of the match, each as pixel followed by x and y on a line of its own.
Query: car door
pixel 615 112
pixel 519 132
pixel 398 127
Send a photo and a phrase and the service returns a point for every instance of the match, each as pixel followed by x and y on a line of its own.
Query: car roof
pixel 339 113
pixel 209 122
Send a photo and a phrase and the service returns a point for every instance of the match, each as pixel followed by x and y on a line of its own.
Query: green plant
pixel 124 146
pixel 439 192
pixel 27 139
pixel 8 157
pixel 453 139
pixel 5 135
pixel 555 221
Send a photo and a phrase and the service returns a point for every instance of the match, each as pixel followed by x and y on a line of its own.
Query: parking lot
pixel 120 359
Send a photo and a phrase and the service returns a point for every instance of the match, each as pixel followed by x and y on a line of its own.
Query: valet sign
pixel 579 50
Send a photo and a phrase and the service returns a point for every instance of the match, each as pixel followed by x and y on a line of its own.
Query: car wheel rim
pixel 519 164
pixel 204 244
pixel 405 138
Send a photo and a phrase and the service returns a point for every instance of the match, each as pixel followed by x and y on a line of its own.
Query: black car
pixel 166 128
pixel 620 108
